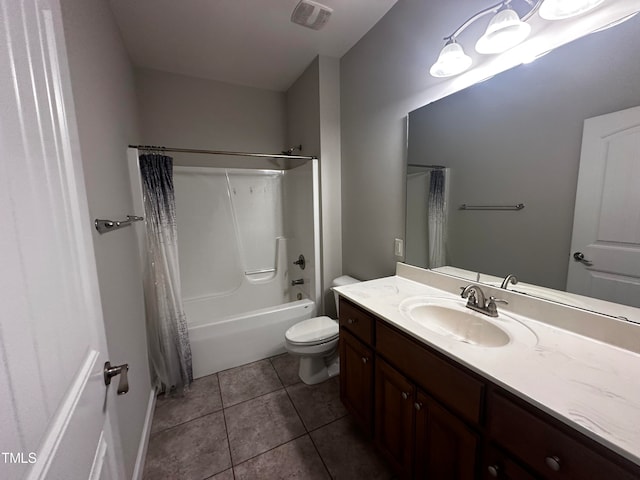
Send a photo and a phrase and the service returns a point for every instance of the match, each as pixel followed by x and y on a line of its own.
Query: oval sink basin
pixel 449 318
pixel 468 327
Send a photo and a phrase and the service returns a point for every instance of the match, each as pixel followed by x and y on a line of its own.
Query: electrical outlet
pixel 398 247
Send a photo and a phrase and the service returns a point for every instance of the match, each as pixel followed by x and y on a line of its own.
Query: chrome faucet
pixel 300 281
pixel 511 278
pixel 477 301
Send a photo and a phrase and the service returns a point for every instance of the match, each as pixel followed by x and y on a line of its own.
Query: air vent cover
pixel 311 14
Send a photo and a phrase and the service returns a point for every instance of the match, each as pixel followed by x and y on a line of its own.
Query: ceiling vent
pixel 311 14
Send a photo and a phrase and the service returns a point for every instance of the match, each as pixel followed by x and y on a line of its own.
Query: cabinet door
pixel 394 417
pixel 499 465
pixel 356 380
pixel 445 446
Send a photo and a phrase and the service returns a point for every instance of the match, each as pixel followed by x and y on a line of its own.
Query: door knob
pixel 579 257
pixel 110 372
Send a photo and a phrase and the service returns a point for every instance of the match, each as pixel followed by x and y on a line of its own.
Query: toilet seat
pixel 313 331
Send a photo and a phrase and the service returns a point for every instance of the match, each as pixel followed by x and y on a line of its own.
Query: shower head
pixel 292 149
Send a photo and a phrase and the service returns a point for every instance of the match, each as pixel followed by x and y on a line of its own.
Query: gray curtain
pixel 437 220
pixel 167 335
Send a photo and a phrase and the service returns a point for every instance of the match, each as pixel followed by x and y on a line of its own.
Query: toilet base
pixel 314 370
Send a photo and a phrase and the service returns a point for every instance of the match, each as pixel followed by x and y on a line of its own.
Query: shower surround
pixel 239 232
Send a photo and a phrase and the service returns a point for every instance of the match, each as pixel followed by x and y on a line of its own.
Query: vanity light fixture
pixel 505 31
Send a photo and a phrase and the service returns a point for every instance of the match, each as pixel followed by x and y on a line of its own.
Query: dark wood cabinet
pixel 394 417
pixel 461 392
pixel 431 417
pixel 356 380
pixel 445 447
pixel 547 448
pixel 419 437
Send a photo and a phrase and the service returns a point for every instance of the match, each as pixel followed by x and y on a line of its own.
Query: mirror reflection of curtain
pixel 437 218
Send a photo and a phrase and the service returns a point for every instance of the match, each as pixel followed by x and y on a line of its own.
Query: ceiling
pixel 244 42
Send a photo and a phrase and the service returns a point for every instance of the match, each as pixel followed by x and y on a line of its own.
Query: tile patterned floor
pixel 259 421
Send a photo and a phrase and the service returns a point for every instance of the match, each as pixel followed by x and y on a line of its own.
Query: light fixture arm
pixel 480 14
pixel 535 7
pixel 493 9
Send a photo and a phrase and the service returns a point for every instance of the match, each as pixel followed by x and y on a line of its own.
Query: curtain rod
pixel 222 152
pixel 437 167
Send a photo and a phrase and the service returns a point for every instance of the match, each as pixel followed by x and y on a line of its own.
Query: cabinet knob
pixel 365 359
pixel 351 321
pixel 553 463
pixel 418 406
pixel 405 395
pixel 494 470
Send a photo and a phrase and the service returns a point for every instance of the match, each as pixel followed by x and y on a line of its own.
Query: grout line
pixel 257 396
pixel 309 434
pixel 272 448
pixel 319 454
pixel 253 398
pixel 187 421
pixel 296 410
pixel 329 423
pixel 226 430
pixel 279 377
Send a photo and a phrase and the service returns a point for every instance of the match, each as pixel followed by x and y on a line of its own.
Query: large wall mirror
pixel 513 143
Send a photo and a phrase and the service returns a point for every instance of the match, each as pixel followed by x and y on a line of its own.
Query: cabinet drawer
pixel 545 448
pixel 357 321
pixel 453 387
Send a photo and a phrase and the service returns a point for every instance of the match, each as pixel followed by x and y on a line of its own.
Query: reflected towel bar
pixel 519 206
pixel 103 226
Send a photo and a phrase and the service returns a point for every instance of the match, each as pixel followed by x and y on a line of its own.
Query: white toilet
pixel 315 341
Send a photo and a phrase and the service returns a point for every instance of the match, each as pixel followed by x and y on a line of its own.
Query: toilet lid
pixel 313 330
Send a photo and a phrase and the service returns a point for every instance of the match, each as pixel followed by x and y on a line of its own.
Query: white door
pixel 54 405
pixel 605 246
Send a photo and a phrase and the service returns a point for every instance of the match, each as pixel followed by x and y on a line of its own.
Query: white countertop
pixel 590 385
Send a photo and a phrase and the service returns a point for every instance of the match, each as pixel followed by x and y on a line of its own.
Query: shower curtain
pixel 437 219
pixel 167 335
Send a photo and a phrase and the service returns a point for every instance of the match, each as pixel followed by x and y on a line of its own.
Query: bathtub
pixel 235 340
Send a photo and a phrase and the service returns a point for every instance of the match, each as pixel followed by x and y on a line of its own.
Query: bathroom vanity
pixel 511 397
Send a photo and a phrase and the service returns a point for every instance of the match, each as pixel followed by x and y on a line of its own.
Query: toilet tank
pixel 339 282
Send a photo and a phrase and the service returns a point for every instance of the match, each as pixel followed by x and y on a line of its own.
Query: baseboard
pixel 144 438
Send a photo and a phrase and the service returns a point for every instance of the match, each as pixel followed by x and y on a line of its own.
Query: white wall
pixel 187 112
pixel 313 120
pixel 330 176
pixel 104 96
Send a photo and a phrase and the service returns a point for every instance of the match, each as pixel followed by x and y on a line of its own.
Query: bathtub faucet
pixel 300 281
